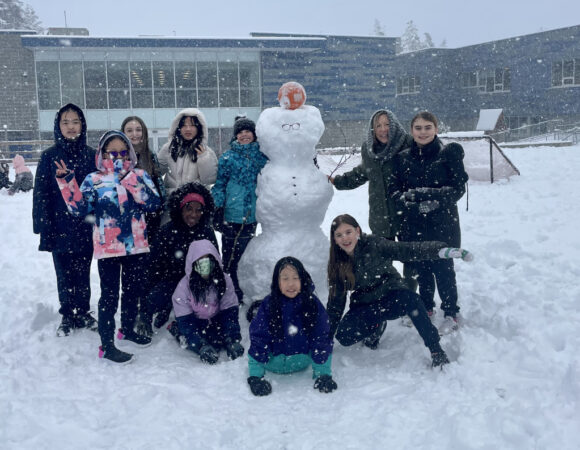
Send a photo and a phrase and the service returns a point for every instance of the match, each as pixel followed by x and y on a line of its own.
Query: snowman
pixel 293 195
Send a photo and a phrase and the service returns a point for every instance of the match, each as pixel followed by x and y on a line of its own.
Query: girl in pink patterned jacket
pixel 115 199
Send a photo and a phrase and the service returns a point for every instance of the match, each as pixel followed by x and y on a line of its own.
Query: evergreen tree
pixel 15 15
pixel 410 40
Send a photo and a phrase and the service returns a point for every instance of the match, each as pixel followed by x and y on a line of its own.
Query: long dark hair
pixel 181 147
pixel 426 116
pixel 309 312
pixel 340 270
pixel 200 286
pixel 144 154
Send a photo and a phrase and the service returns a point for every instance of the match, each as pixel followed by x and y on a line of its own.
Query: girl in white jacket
pixel 186 157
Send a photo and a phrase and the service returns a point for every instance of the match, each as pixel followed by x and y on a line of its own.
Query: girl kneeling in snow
pixel 363 265
pixel 290 331
pixel 206 306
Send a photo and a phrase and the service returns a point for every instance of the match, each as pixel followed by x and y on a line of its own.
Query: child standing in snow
pixel 24 180
pixel 116 197
pixel 427 181
pixel 206 307
pixel 234 194
pixel 290 331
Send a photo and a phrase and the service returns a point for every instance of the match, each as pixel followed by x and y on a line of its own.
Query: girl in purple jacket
pixel 206 306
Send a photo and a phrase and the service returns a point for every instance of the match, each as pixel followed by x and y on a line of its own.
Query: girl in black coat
pixel 428 179
pixel 68 237
pixel 363 265
pixel 190 209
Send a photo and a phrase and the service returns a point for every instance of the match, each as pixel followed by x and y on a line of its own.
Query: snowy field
pixel 514 380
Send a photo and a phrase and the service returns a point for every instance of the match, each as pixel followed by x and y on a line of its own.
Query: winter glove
pixel 428 206
pixel 325 384
pixel 208 354
pixel 218 220
pixel 450 252
pixel 259 386
pixel 409 196
pixel 234 350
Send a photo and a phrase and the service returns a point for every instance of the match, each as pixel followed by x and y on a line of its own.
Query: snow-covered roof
pixel 488 119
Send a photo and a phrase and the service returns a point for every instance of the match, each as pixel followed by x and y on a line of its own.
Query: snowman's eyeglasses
pixel 291 126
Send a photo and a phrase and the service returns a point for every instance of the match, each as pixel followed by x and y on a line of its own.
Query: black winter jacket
pixel 60 231
pixel 374 272
pixel 439 170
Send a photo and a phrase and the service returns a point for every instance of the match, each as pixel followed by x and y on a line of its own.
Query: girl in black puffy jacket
pixel 428 179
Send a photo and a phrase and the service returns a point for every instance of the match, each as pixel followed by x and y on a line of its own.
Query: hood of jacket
pixel 197 249
pixel 19 165
pixel 189 112
pixel 60 140
pixel 398 137
pixel 107 137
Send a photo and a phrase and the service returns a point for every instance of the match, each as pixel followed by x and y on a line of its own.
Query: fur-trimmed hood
pixel 189 112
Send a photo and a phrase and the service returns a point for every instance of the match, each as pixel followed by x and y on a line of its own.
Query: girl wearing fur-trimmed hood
pixel 186 156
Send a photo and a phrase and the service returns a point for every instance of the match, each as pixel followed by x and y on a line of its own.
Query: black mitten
pixel 259 386
pixel 208 354
pixel 234 350
pixel 325 384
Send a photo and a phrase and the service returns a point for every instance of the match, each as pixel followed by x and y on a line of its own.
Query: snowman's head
pixel 290 134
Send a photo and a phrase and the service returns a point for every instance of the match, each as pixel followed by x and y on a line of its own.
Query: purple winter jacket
pixel 183 301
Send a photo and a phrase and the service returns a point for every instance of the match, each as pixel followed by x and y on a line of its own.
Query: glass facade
pixel 94 82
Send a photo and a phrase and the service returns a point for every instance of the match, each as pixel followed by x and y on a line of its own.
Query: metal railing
pixel 30 150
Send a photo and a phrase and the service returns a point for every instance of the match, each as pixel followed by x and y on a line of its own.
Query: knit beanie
pixel 243 123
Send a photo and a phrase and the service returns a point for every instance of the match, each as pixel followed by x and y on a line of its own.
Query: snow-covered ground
pixel 514 380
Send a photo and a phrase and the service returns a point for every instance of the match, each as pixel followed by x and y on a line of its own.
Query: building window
pixel 163 84
pixel 207 84
pixel 494 80
pixel 141 84
pixel 408 85
pixel 118 79
pixel 566 73
pixel 249 84
pixel 229 84
pixel 185 84
pixel 48 81
pixel 95 84
pixel 119 84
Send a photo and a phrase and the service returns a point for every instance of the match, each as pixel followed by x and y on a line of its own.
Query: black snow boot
pixel 115 355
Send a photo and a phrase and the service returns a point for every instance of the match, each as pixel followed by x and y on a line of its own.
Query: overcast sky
pixel 458 22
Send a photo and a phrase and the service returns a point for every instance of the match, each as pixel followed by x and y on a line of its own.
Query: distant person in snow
pixel 234 193
pixel 206 306
pixel 66 236
pixel 24 180
pixel 363 265
pixel 116 198
pixel 428 180
pixel 290 331
pixel 4 176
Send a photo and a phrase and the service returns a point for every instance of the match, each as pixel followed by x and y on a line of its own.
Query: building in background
pixel 532 79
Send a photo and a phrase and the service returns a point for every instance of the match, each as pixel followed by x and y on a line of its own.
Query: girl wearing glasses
pixel 115 199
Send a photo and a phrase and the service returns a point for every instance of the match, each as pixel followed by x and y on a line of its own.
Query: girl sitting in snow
pixel 206 306
pixel 116 196
pixel 290 331
pixel 24 180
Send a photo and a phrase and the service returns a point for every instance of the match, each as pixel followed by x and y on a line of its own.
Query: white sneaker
pixel 449 325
